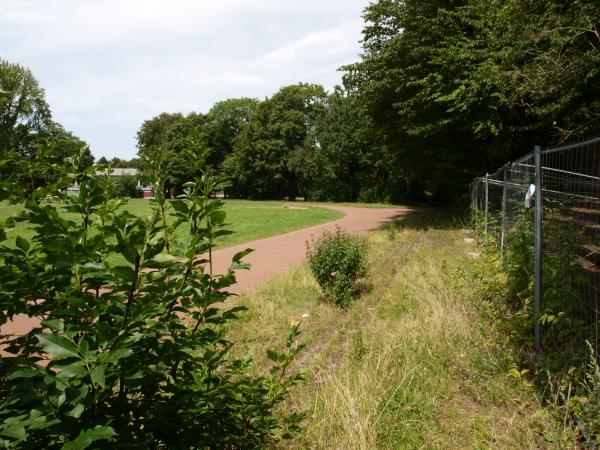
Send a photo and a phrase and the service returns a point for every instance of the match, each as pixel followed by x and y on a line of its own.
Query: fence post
pixel 487 176
pixel 538 246
pixel 503 225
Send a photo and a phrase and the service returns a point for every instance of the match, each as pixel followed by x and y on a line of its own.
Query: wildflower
pixel 333 274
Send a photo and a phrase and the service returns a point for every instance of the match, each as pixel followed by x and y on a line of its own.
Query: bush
pixel 337 260
pixel 131 351
pixel 125 186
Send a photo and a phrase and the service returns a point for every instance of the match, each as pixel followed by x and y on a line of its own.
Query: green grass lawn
pixel 249 220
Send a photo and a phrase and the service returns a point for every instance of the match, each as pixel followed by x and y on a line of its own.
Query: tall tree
pixel 34 149
pixel 170 135
pixel 271 153
pixel 456 87
pixel 224 122
pixel 519 72
pixel 24 112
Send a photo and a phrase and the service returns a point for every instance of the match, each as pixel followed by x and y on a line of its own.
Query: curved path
pixel 274 254
pixel 271 255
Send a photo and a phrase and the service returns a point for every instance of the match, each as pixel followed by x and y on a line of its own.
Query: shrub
pixel 337 260
pixel 132 350
pixel 125 186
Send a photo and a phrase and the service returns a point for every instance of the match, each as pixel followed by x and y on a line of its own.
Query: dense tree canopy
pixel 460 86
pixel 24 112
pixel 166 138
pixel 270 154
pixel 225 121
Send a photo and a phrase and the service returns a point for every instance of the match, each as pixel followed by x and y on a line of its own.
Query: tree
pixel 33 148
pixel 24 112
pixel 457 87
pixel 224 122
pixel 402 43
pixel 272 151
pixel 348 162
pixel 115 161
pixel 169 138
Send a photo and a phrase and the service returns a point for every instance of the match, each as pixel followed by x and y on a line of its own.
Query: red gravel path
pixel 274 254
pixel 271 255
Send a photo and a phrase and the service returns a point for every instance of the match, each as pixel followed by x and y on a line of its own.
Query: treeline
pixel 302 141
pixel 33 148
pixel 444 91
pixel 458 87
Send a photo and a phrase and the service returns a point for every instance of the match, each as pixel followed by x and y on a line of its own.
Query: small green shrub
pixel 337 260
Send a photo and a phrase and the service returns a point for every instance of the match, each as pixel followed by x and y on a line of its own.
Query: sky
pixel 108 65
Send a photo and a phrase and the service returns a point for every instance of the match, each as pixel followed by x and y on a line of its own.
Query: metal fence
pixel 543 213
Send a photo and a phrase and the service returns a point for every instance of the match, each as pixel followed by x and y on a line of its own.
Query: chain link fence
pixel 542 212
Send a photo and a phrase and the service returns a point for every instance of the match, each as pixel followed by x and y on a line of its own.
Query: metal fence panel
pixel 569 284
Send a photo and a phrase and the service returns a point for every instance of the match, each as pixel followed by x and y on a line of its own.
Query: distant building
pixel 118 172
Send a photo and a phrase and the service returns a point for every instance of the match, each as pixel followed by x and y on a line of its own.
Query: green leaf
pixel 239 266
pixel 98 376
pixel 87 437
pixel 239 255
pixel 124 273
pixel 15 431
pixel 75 369
pixel 115 355
pixel 93 265
pixel 57 345
pixel 77 411
pixel 22 244
pixel 273 355
pixel 160 260
pixel 221 233
pixel 54 324
pixel 179 206
pixel 23 373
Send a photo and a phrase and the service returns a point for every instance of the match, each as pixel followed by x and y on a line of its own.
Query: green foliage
pixel 457 87
pixel 130 353
pixel 24 112
pixel 337 260
pixel 565 321
pixel 168 139
pixel 586 405
pixel 125 186
pixel 270 154
pixel 225 121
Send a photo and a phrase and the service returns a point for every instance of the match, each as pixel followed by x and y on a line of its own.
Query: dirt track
pixel 271 255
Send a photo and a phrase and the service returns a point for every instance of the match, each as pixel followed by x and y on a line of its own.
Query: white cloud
pixel 328 42
pixel 107 65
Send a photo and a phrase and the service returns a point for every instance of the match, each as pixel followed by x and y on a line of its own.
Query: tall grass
pixel 411 364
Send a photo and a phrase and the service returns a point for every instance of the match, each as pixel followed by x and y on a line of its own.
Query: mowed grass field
pixel 249 220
